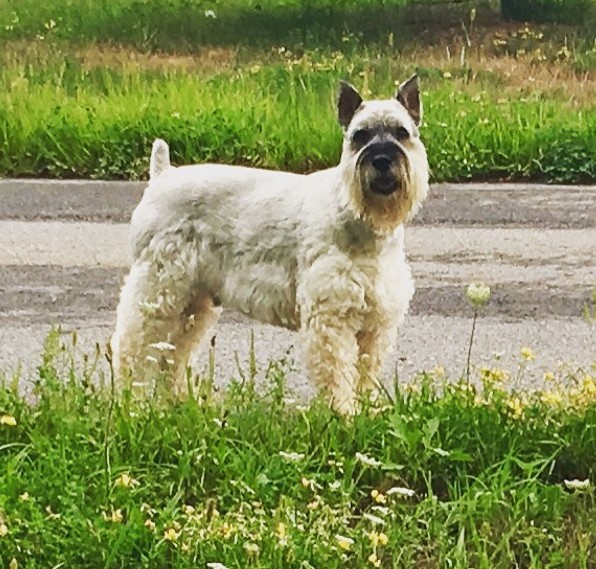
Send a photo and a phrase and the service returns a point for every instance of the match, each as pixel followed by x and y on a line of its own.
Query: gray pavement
pixel 466 204
pixel 63 253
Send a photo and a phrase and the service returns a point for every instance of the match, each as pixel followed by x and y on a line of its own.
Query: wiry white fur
pixel 310 253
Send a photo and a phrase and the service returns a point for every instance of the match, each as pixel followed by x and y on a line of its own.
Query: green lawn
pixel 437 474
pixel 503 101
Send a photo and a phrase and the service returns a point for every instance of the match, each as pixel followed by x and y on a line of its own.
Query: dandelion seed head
pixel 478 294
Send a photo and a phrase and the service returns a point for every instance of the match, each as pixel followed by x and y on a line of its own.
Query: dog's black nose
pixel 382 164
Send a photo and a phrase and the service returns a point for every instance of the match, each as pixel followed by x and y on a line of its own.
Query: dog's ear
pixel 348 102
pixel 408 94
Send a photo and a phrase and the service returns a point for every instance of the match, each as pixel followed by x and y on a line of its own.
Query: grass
pixel 439 474
pixel 63 116
pixel 180 24
pixel 502 100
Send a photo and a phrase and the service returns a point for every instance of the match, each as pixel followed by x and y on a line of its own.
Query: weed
pixel 444 474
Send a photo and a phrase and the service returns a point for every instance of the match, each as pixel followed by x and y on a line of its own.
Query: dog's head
pixel 384 161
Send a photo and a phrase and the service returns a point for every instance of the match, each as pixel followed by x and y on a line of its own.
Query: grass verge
pixel 61 115
pixel 436 475
pixel 503 101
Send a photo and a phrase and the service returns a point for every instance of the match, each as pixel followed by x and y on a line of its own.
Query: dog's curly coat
pixel 323 254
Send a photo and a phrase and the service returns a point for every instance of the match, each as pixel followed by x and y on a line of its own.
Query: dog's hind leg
pixel 162 314
pixel 199 317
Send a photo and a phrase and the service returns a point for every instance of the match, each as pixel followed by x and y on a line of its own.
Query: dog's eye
pixel 401 133
pixel 361 136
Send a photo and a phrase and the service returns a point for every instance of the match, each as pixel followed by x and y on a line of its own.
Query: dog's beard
pixel 384 201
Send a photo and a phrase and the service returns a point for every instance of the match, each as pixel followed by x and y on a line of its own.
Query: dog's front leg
pixel 331 354
pixel 374 342
pixel 331 312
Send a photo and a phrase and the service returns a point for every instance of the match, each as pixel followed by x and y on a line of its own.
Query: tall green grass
pixel 182 24
pixel 441 475
pixel 65 120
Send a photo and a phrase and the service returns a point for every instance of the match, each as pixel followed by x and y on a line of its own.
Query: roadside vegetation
pixel 86 88
pixel 435 474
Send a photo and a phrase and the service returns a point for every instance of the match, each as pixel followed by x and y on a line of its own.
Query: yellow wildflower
pixel 252 548
pixel 8 420
pixel 549 376
pixel 314 504
pixel 493 375
pixel 551 398
pixel 146 508
pixel 589 386
pixel 115 516
pixel 188 510
pixel 125 480
pixel 14 564
pixel 527 354
pixel 438 371
pixel 52 515
pixel 3 529
pixel 378 497
pixel 226 530
pixel 171 535
pixel 516 407
pixel 281 530
pixel 374 560
pixel 149 523
pixel 24 497
pixel 378 538
pixel 344 542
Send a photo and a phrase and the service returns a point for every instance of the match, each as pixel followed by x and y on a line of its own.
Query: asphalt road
pixel 63 254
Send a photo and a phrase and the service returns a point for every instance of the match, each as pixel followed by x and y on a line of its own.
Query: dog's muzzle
pixel 381 161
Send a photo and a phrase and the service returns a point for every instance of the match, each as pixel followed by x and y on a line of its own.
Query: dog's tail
pixel 160 158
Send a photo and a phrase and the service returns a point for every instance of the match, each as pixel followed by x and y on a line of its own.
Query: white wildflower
pixel 292 456
pixel 375 520
pixel 404 492
pixel 368 460
pixel 577 484
pixel 382 510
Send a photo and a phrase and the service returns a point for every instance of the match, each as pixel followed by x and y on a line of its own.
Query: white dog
pixel 322 254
